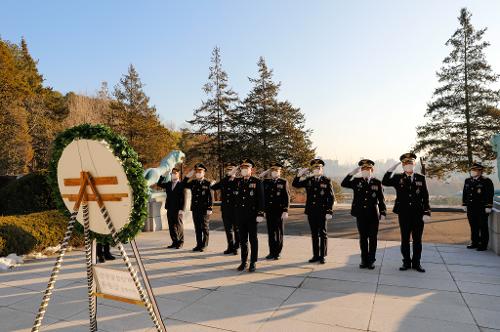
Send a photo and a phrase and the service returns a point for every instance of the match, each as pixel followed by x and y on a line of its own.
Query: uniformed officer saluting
pixel 174 204
pixel 319 206
pixel 477 200
pixel 277 200
pixel 412 208
pixel 227 186
pixel 250 211
pixel 368 207
pixel 201 204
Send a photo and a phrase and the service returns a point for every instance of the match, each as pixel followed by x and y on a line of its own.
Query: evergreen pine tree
pixel 460 121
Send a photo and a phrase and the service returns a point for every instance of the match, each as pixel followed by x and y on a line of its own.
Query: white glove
pixel 464 208
pixel 209 212
pixel 181 212
pixel 232 173
pixel 355 171
pixel 190 174
pixel 393 168
pixel 426 218
pixel 487 210
pixel 179 216
pixel 302 171
pixel 329 216
pixel 263 174
pixel 382 218
pixel 260 219
pixel 284 215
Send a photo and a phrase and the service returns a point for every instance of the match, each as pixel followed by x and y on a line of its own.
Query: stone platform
pixel 204 292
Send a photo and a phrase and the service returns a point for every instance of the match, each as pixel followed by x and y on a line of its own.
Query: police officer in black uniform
pixel 227 186
pixel 201 204
pixel 319 206
pixel 250 211
pixel 477 200
pixel 412 208
pixel 103 252
pixel 368 207
pixel 277 201
pixel 174 203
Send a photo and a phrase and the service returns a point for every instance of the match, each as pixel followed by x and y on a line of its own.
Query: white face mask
pixel 245 171
pixel 474 173
pixel 175 176
pixel 366 174
pixel 199 175
pixel 317 171
pixel 409 168
pixel 275 174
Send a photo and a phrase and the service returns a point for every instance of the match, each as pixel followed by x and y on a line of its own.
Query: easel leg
pixel 132 271
pixel 90 271
pixel 55 272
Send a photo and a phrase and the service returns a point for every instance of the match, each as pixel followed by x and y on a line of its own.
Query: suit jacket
pixel 227 186
pixel 201 195
pixel 478 193
pixel 320 197
pixel 411 195
pixel 250 196
pixel 368 195
pixel 276 194
pixel 175 198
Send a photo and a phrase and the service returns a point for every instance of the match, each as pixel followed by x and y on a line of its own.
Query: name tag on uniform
pixel 279 186
pixel 375 188
pixel 418 183
pixel 323 185
pixel 205 187
pixel 252 185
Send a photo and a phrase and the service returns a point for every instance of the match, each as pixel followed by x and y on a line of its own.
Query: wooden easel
pixel 81 199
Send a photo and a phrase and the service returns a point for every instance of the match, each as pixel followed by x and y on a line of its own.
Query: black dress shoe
pixel 314 260
pixel 109 257
pixel 322 260
pixel 101 259
pixel 202 249
pixel 363 265
pixel 482 249
pixel 251 268
pixel 196 249
pixel 242 267
pixel 172 246
pixel 235 251
pixel 472 246
pixel 179 245
pixel 418 268
pixel 277 257
pixel 269 256
pixel 228 251
pixel 404 267
pixel 371 266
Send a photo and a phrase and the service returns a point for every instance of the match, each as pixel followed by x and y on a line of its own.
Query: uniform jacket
pixel 368 195
pixel 250 196
pixel 411 195
pixel 227 188
pixel 320 197
pixel 478 192
pixel 175 198
pixel 201 195
pixel 276 193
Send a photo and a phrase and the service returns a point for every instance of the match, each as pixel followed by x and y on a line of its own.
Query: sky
pixel 361 71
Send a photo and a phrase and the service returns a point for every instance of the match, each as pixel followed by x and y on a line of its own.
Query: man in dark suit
pixel 319 206
pixel 477 200
pixel 249 211
pixel 412 208
pixel 227 186
pixel 277 200
pixel 201 204
pixel 368 207
pixel 174 203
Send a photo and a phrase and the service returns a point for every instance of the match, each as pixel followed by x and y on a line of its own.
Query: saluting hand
pixel 355 171
pixel 393 168
pixel 301 172
pixel 190 174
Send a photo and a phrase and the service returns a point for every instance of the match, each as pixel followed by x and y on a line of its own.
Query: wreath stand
pixel 147 298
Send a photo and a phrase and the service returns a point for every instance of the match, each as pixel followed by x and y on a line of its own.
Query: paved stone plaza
pixel 204 292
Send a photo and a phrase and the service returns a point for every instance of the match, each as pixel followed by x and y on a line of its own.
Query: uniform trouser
pixel 478 221
pixel 102 250
pixel 231 227
pixel 275 232
pixel 200 220
pixel 411 225
pixel 175 226
pixel 368 229
pixel 317 223
pixel 248 232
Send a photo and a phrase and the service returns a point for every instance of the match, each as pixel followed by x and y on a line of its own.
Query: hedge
pixel 30 193
pixel 22 234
